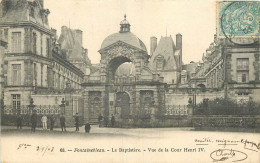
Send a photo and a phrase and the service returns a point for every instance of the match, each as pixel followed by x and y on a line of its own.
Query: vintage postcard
pixel 129 81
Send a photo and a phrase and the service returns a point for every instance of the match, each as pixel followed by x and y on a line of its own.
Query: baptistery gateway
pixel 126 97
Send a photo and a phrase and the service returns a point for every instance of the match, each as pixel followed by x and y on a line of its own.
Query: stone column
pixel 86 106
pixel 69 110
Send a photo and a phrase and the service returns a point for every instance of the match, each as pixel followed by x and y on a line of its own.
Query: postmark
pixel 239 21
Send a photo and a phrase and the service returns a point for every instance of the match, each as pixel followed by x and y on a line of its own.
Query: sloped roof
pixel 16 11
pixel 166 48
pixel 126 37
pixel 69 40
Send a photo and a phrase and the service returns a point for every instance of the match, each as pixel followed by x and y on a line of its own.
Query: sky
pixel 195 20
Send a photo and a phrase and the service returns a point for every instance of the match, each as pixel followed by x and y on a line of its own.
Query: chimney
pixel 179 47
pixel 78 35
pixel 179 41
pixel 42 3
pixel 153 44
pixel 6 5
pixel 64 29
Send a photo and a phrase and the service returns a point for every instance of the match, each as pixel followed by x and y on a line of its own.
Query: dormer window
pixel 159 62
pixel 32 12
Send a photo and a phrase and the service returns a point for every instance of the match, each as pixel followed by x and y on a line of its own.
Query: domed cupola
pixel 124 26
pixel 124 35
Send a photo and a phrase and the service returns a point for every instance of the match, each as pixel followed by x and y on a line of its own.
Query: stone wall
pixel 181 96
pixel 226 121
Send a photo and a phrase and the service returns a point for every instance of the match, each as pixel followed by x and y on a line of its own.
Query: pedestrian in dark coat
pixel 113 120
pixel 77 121
pixel 87 127
pixel 62 123
pixel 33 121
pixel 100 120
pixel 52 120
pixel 19 121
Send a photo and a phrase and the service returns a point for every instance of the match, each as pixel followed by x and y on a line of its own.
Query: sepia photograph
pixel 129 81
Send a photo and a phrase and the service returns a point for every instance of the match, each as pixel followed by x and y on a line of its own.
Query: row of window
pixel 65 71
pixel 16 74
pixel 242 72
pixel 17 43
pixel 60 82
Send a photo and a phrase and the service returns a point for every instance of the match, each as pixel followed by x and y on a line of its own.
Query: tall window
pixel 41 75
pixel 35 74
pixel 159 65
pixel 16 42
pixel 16 74
pixel 34 43
pixel 48 47
pixel 243 64
pixel 75 103
pixel 16 101
pixel 242 70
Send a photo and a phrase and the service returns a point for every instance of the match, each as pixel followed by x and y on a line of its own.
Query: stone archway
pixel 115 55
pixel 113 66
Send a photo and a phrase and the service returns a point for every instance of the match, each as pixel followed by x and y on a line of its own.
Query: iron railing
pixel 176 110
pixel 40 109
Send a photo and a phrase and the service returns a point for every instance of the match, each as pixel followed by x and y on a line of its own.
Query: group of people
pixel 44 121
pixel 100 120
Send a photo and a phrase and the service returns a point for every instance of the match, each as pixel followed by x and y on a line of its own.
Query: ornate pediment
pixel 118 49
pixel 119 46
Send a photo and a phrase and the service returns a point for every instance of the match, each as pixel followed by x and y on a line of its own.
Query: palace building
pixel 136 93
pixel 34 63
pixel 130 83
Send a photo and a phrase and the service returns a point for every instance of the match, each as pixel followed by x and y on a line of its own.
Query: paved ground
pixel 120 145
pixel 95 131
pixel 134 132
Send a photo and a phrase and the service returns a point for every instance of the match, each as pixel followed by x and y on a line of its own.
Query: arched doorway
pixel 123 104
pixel 95 109
pixel 147 102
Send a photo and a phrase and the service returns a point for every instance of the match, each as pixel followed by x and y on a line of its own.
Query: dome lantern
pixel 124 26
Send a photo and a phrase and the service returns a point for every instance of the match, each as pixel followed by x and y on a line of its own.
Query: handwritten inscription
pixel 250 145
pixel 228 154
pixel 40 149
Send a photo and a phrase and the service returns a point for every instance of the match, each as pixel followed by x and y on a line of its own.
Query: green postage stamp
pixel 238 19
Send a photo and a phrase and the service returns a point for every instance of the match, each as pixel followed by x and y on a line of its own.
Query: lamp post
pixel 62 106
pixel 190 104
pixel 31 106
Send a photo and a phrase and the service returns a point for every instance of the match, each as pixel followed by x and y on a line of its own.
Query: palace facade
pixel 34 63
pixel 129 83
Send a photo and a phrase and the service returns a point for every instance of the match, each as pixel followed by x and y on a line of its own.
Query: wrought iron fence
pixel 40 109
pixel 215 121
pixel 176 110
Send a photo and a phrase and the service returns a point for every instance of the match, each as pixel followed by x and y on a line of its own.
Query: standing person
pixel 33 121
pixel 87 127
pixel 44 122
pixel 100 119
pixel 62 123
pixel 52 119
pixel 77 121
pixel 19 121
pixel 113 120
